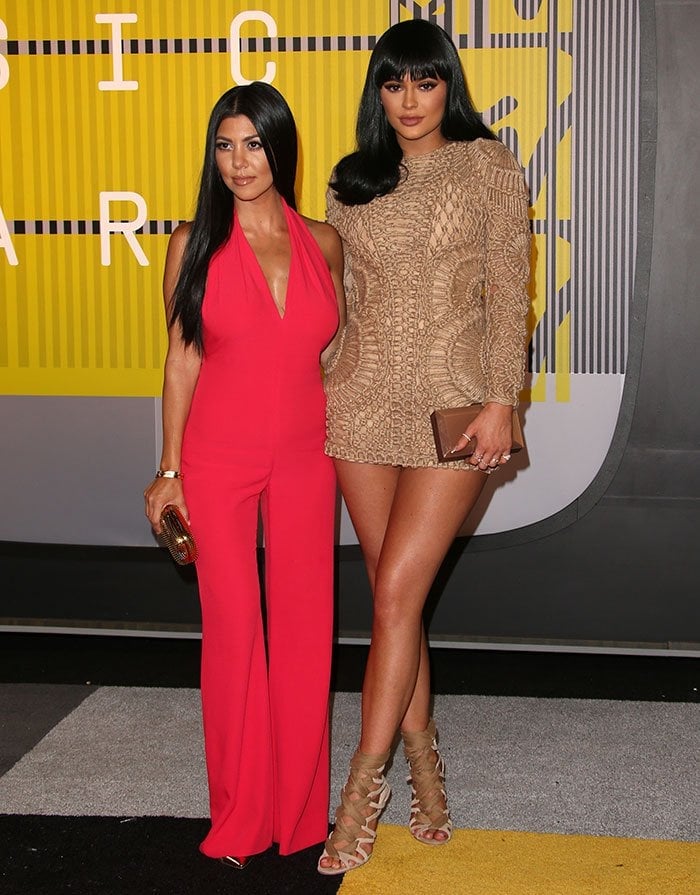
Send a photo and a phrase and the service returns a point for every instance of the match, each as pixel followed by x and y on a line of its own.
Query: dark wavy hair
pixel 274 124
pixel 418 49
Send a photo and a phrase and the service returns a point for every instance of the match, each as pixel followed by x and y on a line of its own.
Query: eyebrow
pixel 243 139
pixel 399 80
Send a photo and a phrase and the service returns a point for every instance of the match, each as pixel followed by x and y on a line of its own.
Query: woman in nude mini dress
pixel 432 211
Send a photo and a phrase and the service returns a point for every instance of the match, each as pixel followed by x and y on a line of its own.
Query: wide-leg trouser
pixel 265 718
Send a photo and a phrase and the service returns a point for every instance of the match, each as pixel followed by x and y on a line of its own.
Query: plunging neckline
pixel 281 313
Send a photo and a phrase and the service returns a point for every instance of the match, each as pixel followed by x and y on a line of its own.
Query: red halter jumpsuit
pixel 254 437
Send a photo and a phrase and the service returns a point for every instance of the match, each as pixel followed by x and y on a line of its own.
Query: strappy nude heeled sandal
pixel 366 788
pixel 429 809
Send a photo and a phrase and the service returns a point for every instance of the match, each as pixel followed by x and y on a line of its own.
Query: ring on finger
pixel 468 437
pixel 505 457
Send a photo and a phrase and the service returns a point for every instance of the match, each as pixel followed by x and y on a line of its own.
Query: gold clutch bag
pixel 449 423
pixel 176 535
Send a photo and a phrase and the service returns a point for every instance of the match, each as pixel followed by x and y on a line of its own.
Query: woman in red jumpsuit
pixel 253 299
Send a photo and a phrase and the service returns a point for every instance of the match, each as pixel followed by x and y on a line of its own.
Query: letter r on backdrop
pixel 127 228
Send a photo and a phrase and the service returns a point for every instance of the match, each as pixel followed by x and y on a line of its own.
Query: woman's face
pixel 241 159
pixel 415 110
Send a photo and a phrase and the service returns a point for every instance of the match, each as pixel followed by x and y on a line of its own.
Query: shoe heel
pixel 236 863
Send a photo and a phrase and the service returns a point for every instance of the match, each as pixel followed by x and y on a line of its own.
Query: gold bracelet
pixel 169 474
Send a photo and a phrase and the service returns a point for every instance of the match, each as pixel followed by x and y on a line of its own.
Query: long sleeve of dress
pixel 507 265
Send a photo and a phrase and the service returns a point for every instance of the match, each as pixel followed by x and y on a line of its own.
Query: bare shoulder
pixel 176 249
pixel 321 231
pixel 327 238
pixel 179 237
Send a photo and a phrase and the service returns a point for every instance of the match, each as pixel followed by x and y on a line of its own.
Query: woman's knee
pixel 393 611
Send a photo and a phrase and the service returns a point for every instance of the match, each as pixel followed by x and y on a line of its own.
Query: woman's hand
pixel 160 494
pixel 491 436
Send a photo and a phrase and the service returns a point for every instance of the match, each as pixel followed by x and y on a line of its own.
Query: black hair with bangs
pixel 420 50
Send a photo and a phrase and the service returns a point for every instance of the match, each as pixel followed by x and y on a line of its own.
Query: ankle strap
pixel 419 739
pixel 363 762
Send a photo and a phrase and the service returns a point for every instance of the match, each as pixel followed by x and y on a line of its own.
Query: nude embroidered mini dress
pixel 436 283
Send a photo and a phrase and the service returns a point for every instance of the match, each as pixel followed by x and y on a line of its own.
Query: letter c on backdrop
pixel 253 15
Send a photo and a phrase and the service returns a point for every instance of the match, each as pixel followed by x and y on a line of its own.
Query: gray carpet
pixel 545 765
pixel 29 711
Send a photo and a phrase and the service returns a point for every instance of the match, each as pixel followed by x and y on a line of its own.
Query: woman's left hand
pixel 163 492
pixel 491 435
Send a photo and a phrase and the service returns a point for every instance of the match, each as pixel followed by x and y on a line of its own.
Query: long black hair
pixel 418 49
pixel 274 124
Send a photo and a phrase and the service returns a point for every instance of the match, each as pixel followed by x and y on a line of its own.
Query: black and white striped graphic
pixel 194 45
pixel 82 227
pixel 604 189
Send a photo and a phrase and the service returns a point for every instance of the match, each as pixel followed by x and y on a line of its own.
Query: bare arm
pixel 332 249
pixel 182 364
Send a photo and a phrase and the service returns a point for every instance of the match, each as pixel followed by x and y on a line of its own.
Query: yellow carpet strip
pixel 486 862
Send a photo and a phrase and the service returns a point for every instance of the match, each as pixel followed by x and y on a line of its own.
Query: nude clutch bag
pixel 450 422
pixel 176 535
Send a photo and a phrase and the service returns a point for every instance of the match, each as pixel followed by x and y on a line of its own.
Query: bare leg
pixel 428 509
pixel 405 520
pixel 369 492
